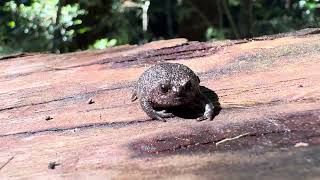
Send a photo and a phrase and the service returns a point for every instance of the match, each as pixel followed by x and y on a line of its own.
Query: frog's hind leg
pixel 209 109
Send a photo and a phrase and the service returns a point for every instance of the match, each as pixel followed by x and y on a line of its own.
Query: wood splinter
pixel 231 139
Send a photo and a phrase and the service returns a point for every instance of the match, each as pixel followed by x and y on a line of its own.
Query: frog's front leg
pixel 209 108
pixel 149 110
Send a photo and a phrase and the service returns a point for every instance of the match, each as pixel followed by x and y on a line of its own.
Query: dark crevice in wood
pixel 17 55
pixel 300 33
pixel 187 50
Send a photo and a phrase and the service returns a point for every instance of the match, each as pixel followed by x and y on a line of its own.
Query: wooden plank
pixel 269 92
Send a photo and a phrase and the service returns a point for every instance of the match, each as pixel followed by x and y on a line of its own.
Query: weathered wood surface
pixel 268 89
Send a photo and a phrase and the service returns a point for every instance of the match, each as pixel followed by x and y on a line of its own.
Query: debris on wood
pixel 48 118
pixel 52 165
pixel 301 144
pixel 231 139
pixel 90 101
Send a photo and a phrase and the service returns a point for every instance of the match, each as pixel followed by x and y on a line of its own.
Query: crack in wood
pixel 74 96
pixel 6 163
pixel 76 128
pixel 16 55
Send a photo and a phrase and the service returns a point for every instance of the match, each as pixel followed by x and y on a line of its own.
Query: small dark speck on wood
pixel 48 118
pixel 52 165
pixel 90 101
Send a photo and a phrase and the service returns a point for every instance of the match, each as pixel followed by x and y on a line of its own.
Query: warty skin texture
pixel 168 85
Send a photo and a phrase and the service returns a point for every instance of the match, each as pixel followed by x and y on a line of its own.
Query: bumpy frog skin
pixel 168 85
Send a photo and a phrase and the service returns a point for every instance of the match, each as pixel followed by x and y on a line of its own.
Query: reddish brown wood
pixel 268 89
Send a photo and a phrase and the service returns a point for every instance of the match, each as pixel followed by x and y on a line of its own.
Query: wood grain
pixel 268 90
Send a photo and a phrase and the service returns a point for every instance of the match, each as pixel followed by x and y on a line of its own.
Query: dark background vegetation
pixel 71 25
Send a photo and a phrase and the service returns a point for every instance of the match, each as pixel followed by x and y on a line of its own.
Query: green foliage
pixel 36 27
pixel 234 2
pixel 278 17
pixel 64 26
pixel 213 33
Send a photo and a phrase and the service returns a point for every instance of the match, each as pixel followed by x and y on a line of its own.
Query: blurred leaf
pixel 213 33
pixel 104 43
pixel 37 22
pixel 233 2
pixel 11 24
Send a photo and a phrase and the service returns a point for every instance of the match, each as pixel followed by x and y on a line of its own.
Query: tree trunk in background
pixel 169 18
pixel 245 18
pixel 203 14
pixel 57 35
pixel 220 15
pixel 231 21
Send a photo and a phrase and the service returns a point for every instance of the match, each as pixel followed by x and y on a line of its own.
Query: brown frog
pixel 169 85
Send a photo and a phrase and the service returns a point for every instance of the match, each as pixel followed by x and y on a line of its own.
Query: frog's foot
pixel 165 114
pixel 202 118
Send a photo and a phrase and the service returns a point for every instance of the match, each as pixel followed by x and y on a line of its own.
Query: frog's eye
pixel 164 88
pixel 188 85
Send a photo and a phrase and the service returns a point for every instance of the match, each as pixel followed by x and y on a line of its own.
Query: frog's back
pixel 160 73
